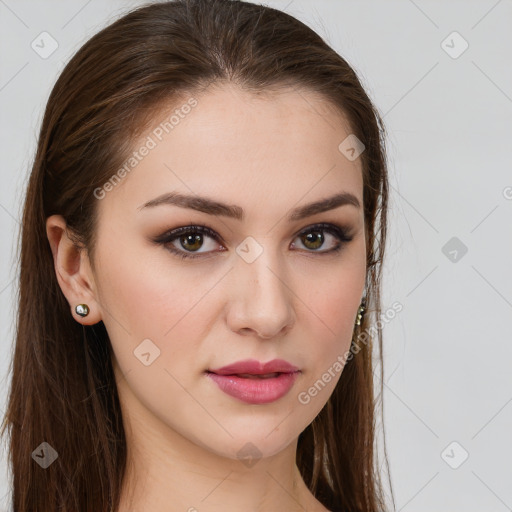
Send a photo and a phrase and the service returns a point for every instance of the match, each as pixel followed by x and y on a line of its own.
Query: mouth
pixel 255 388
pixel 254 375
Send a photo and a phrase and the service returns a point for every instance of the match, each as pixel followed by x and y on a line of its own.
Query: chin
pixel 248 447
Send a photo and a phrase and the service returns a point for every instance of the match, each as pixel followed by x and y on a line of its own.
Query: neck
pixel 167 472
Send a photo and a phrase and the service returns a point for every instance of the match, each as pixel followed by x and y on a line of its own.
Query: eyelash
pixel 169 236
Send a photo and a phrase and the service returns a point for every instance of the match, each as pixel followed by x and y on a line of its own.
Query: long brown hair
pixel 63 390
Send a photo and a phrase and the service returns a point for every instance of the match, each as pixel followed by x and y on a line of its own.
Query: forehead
pixel 241 147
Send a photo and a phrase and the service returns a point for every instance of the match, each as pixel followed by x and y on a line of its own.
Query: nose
pixel 262 300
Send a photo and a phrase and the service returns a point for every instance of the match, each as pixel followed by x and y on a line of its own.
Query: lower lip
pixel 255 391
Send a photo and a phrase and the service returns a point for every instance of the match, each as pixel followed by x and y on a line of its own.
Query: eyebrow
pixel 212 207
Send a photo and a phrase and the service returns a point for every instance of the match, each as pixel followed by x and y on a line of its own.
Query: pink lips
pixel 239 380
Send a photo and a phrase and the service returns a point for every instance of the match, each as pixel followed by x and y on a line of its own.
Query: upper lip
pixel 254 367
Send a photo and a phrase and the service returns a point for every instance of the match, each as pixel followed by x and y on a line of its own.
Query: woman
pixel 202 241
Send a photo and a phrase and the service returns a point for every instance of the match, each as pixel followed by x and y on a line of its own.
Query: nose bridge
pixel 264 299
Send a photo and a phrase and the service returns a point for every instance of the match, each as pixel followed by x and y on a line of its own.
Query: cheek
pixel 328 334
pixel 333 296
pixel 330 328
pixel 329 312
pixel 157 301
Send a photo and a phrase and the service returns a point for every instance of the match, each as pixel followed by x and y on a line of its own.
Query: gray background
pixel 448 352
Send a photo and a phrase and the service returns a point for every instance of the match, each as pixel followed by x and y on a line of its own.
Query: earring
pixel 360 313
pixel 82 309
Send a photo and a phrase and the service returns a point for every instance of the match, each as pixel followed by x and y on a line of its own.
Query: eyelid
pixel 183 230
pixel 344 232
pixel 330 227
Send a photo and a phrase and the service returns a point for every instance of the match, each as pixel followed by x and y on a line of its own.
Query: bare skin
pixel 268 155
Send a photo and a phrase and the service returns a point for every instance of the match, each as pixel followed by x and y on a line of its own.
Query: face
pixel 258 279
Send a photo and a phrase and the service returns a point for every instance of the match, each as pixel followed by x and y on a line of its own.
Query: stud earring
pixel 82 309
pixel 360 313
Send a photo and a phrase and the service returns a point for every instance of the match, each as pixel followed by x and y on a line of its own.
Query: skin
pixel 267 154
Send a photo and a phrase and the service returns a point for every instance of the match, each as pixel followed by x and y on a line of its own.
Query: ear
pixel 73 271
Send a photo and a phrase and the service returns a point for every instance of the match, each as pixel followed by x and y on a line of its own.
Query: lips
pixel 253 382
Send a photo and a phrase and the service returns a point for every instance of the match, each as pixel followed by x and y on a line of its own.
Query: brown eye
pixel 192 238
pixel 313 240
pixel 191 242
pixel 186 241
